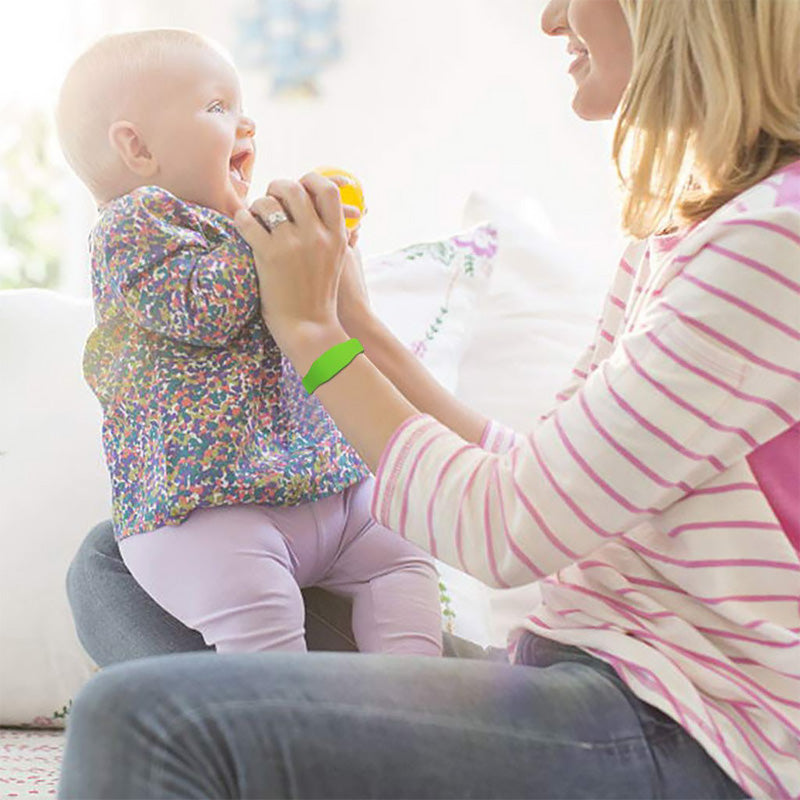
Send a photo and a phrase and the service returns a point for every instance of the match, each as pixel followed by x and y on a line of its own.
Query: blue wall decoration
pixel 294 39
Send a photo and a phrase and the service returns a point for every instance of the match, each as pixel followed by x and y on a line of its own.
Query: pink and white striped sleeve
pixel 709 373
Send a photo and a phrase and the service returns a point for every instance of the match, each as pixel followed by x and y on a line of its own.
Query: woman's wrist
pixel 411 378
pixel 360 323
pixel 304 342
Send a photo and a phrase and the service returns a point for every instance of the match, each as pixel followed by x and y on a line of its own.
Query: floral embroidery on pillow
pixel 465 254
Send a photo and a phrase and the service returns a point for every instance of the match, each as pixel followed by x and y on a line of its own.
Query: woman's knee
pixel 107 708
pixel 122 695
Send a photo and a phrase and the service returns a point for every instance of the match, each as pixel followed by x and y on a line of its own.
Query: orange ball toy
pixel 351 193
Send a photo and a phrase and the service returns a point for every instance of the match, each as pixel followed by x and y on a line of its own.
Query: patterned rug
pixel 29 762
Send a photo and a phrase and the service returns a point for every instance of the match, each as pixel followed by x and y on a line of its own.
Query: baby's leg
pixel 394 584
pixel 227 573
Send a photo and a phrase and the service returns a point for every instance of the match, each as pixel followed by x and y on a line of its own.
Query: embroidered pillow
pixel 427 295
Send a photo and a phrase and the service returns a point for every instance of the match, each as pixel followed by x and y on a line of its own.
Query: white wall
pixel 432 99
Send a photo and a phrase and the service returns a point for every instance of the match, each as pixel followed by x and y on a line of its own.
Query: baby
pixel 232 487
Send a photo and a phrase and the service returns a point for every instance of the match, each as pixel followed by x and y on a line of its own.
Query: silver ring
pixel 274 219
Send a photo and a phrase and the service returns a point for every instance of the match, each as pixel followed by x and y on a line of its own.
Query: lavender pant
pixel 234 573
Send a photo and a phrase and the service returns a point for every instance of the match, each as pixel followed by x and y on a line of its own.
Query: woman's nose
pixel 554 18
pixel 247 127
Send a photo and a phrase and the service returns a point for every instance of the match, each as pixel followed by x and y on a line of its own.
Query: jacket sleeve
pixel 175 270
pixel 708 375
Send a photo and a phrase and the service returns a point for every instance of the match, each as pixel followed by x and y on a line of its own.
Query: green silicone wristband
pixel 333 360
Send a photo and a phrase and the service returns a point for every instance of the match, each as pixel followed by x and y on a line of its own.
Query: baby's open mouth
pixel 238 168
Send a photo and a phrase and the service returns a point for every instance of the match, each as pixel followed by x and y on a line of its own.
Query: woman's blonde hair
pixel 712 107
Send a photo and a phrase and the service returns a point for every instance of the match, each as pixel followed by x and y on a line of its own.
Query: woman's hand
pixel 353 305
pixel 299 261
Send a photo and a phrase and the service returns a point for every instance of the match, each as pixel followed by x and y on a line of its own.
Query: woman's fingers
pixel 298 260
pixel 313 197
pixel 263 208
pixel 251 226
pixel 326 199
pixel 293 199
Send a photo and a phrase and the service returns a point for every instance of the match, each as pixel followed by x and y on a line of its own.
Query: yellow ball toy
pixel 351 193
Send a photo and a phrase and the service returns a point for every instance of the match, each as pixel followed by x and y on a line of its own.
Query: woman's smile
pixel 580 53
pixel 578 63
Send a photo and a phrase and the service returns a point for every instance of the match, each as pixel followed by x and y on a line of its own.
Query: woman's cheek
pixel 599 92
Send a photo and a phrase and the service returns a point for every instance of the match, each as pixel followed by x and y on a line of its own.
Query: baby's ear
pixel 127 142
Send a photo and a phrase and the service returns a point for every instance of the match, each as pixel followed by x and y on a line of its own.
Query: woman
pixel 657 500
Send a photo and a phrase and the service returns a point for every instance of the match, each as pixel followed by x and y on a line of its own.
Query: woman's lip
pixel 579 61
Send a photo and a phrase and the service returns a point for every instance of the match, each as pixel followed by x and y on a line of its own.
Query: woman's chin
pixel 597 95
pixel 589 109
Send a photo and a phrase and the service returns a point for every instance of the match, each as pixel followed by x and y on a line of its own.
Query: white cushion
pixel 53 489
pixel 427 295
pixel 533 323
pixel 53 481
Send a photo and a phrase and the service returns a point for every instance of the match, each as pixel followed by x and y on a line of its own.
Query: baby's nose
pixel 247 127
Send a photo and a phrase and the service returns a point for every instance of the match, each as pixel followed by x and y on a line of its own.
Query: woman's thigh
pixel 344 726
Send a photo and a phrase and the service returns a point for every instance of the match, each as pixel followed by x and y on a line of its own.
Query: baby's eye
pixel 216 107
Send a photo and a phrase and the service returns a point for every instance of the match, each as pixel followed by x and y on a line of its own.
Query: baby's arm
pixel 175 272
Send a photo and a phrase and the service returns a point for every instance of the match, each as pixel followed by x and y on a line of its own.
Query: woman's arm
pixel 365 405
pixel 410 376
pixel 372 396
pixel 394 359
pixel 708 374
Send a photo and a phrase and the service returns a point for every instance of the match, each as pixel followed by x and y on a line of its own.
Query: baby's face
pixel 197 132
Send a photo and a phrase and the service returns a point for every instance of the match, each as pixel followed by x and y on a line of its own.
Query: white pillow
pixel 427 295
pixel 53 481
pixel 53 489
pixel 533 323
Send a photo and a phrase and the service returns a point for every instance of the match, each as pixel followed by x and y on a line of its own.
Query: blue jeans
pixel 344 725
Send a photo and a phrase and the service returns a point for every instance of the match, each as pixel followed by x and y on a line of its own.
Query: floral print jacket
pixel 200 406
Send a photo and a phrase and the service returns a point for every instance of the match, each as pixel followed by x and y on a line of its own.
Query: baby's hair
pixel 95 92
pixel 712 108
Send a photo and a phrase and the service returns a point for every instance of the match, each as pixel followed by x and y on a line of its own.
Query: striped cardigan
pixel 659 500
